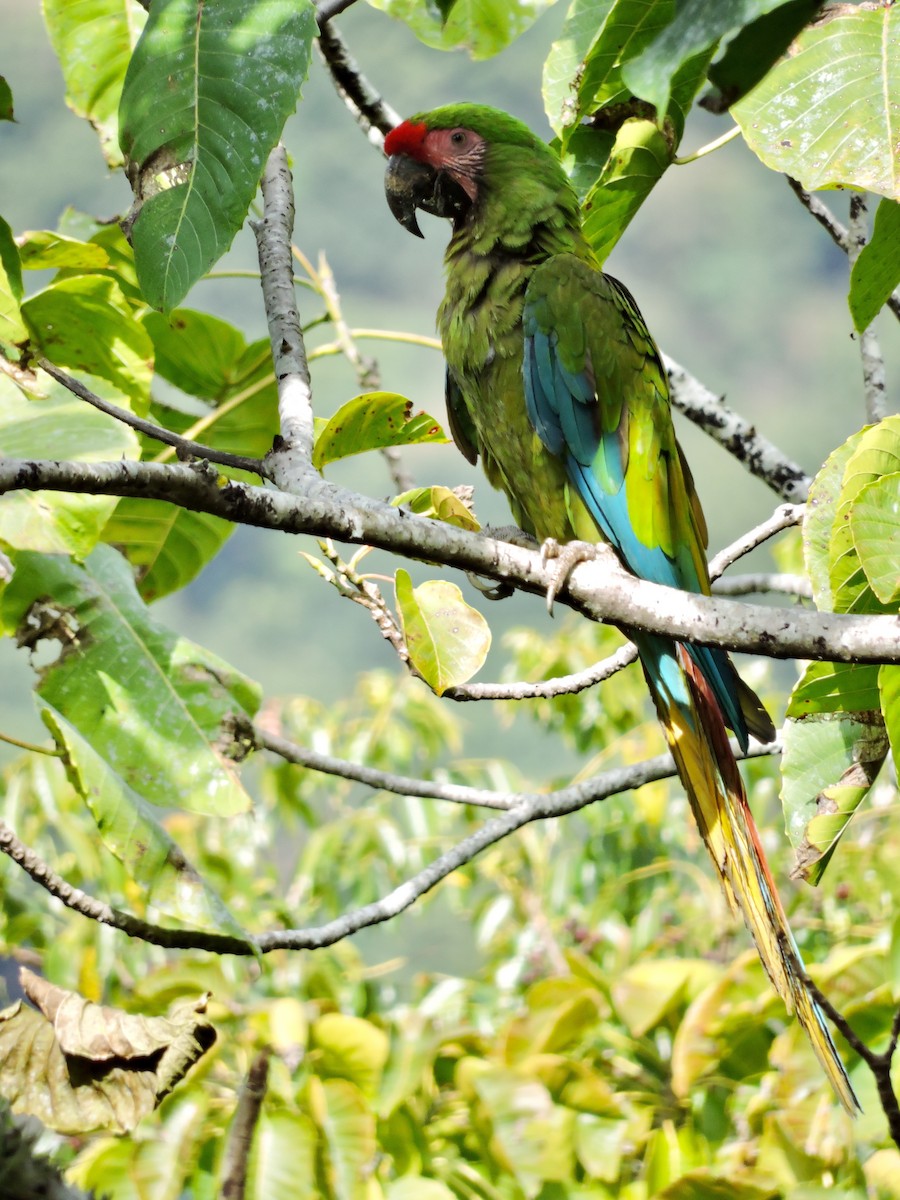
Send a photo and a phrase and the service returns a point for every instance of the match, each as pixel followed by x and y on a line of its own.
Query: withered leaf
pixel 79 1066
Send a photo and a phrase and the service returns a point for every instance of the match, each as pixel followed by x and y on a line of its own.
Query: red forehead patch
pixel 406 138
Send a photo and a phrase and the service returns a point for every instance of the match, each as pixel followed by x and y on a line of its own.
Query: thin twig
pixel 784 517
pixel 32 747
pixel 874 379
pixel 760 456
pixel 371 113
pixel 184 447
pixel 526 807
pixel 243 1127
pixel 878 1064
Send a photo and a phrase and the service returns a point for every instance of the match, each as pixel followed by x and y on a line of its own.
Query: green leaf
pixel 835 688
pixel 85 323
pixel 40 249
pixel 167 544
pixel 6 101
pixel 647 992
pixel 826 115
pixel 440 504
pixel 752 52
pixel 130 830
pixel 447 640
pixel 155 706
pixel 348 1129
pixel 61 426
pixel 639 157
pixel 12 327
pixel 597 35
pixel 93 40
pixel 876 455
pixel 698 26
pixel 481 27
pixel 875 529
pixel 829 764
pixel 371 421
pixel 350 1048
pixel 206 95
pixel 819 519
pixel 876 273
pixel 889 682
pixel 417 1187
pixel 282 1161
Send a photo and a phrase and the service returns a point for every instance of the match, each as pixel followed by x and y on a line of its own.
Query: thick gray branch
pixel 874 379
pixel 601 590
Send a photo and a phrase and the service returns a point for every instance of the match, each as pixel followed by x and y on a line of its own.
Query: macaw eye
pixel 457 137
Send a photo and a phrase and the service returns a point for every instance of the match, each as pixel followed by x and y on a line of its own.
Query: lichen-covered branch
pixel 603 591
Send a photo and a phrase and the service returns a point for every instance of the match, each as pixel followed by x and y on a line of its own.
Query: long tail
pixel 696 734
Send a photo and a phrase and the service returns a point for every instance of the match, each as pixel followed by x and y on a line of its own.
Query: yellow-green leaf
pixel 447 639
pixel 370 422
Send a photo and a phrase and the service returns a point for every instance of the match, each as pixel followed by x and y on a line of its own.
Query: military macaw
pixel 555 382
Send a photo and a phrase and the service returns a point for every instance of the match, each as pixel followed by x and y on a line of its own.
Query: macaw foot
pixel 566 557
pixel 490 589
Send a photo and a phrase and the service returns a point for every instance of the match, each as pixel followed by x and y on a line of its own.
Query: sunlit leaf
pixel 350 1048
pixel 447 639
pixel 93 40
pixel 439 503
pixel 648 991
pixel 206 94
pixel 130 829
pixel 482 27
pixel 829 764
pixel 415 1187
pixel 835 688
pixel 889 682
pixel 84 323
pixel 12 328
pixel 370 422
pixel 282 1162
pixel 826 114
pixel 78 1066
pixel 42 249
pixel 155 706
pixel 168 545
pixel 348 1130
pixel 875 529
pixel 59 426
pixel 819 519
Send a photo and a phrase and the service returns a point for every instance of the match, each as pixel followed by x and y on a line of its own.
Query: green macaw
pixel 554 381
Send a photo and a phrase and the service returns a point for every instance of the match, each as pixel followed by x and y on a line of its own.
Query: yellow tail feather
pixel 707 768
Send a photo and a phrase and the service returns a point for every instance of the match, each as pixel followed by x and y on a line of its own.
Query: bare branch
pixel 603 591
pixel 384 781
pixel 329 9
pixel 524 808
pixel 240 1136
pixel 530 808
pixel 184 446
pixel 874 380
pixel 760 456
pixel 291 466
pixel 562 685
pixel 372 114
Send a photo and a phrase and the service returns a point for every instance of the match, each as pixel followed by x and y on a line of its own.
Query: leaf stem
pixel 708 148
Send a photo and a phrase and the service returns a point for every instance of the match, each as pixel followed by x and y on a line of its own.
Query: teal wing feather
pixel 597 396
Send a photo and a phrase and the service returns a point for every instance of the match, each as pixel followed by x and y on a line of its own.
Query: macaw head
pixel 445 160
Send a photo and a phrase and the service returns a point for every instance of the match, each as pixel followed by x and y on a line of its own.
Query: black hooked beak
pixel 410 184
